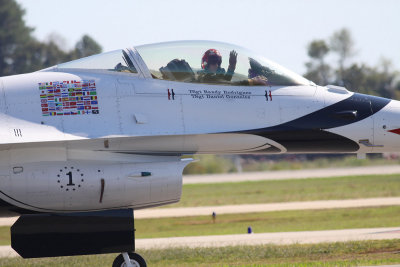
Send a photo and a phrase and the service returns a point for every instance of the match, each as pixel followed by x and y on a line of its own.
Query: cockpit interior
pixel 194 62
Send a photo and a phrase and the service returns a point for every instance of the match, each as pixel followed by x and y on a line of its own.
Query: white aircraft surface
pixel 84 143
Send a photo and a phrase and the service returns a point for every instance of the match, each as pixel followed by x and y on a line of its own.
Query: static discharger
pixel 106 144
pixel 140 174
pixel 367 143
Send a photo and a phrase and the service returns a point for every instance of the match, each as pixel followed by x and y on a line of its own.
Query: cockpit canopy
pixel 183 61
pixel 117 60
pixel 190 61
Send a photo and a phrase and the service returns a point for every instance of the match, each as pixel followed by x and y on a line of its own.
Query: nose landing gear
pixel 129 260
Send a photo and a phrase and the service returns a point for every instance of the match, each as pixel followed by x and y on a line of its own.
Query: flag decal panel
pixel 62 98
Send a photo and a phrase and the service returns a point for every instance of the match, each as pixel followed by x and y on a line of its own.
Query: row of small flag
pixel 83 112
pixel 68 98
pixel 68 84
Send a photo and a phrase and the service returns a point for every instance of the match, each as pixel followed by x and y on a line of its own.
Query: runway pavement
pixel 250 208
pixel 283 238
pixel 291 174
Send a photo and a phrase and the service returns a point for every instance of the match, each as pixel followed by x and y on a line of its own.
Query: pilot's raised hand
pixel 232 60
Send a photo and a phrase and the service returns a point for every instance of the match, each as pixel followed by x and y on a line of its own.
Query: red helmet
pixel 211 56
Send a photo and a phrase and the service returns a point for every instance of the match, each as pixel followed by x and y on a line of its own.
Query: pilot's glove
pixel 232 60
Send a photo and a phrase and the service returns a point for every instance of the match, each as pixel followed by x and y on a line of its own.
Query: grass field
pixel 329 254
pixel 335 254
pixel 282 221
pixel 350 187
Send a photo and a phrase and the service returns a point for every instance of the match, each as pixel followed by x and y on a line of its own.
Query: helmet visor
pixel 214 59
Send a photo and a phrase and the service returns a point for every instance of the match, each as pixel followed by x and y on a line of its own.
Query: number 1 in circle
pixel 70 179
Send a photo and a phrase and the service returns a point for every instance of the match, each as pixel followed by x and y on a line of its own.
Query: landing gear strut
pixel 129 260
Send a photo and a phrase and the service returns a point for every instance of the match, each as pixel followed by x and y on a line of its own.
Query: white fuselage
pixel 136 115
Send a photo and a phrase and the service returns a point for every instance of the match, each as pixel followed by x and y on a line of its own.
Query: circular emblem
pixel 70 178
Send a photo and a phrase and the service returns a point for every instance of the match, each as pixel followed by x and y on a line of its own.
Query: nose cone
pixel 387 128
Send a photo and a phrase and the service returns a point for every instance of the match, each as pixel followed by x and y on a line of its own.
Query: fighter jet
pixel 85 143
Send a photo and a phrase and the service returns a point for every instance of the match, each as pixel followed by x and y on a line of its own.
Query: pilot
pixel 211 67
pixel 213 73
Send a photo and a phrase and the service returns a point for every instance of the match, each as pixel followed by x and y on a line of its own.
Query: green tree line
pixel 21 52
pixel 381 80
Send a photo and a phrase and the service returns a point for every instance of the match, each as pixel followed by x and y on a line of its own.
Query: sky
pixel 279 30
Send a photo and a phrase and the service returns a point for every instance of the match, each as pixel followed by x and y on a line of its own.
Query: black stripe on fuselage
pixel 307 134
